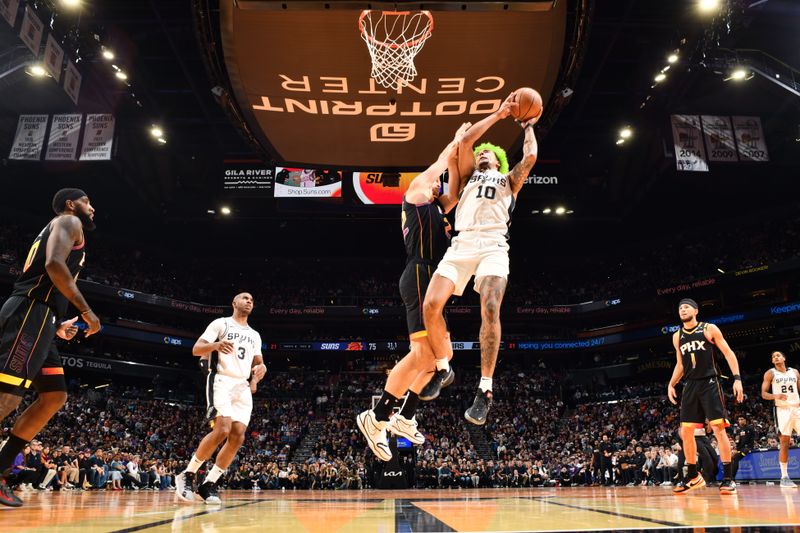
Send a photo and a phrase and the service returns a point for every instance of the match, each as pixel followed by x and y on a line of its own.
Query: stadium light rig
pixel 225 210
pixel 107 54
pixel 740 74
pixel 72 4
pixel 36 70
pixel 708 6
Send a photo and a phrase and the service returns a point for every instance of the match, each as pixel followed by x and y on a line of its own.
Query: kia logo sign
pixel 395 473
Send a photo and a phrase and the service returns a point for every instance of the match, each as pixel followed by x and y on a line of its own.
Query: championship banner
pixel 750 139
pixel 8 10
pixel 29 139
pixel 248 178
pixel 689 152
pixel 98 138
pixel 72 82
pixel 31 31
pixel 307 183
pixel 382 187
pixel 53 57
pixel 718 134
pixel 65 131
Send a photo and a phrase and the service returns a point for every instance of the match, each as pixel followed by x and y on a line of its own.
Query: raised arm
pixel 421 188
pixel 466 159
pixel 530 151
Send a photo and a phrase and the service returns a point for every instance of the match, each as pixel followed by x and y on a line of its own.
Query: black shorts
pixel 413 285
pixel 702 400
pixel 28 355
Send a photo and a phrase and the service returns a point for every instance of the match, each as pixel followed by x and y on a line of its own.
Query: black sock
pixel 691 471
pixel 727 471
pixel 384 406
pixel 10 451
pixel 410 405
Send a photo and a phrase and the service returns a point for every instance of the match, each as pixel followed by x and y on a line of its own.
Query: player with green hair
pixel 488 193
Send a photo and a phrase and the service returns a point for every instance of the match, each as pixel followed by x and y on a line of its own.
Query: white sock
pixel 194 465
pixel 442 364
pixel 784 469
pixel 214 474
pixel 485 384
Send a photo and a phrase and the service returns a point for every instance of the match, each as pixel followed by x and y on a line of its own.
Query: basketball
pixel 529 104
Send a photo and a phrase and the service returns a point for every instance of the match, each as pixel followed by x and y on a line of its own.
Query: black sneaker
pixel 480 408
pixel 692 484
pixel 208 491
pixel 440 380
pixel 7 496
pixel 728 486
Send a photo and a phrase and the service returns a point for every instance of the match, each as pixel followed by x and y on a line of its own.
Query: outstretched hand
pixel 67 329
pixel 509 104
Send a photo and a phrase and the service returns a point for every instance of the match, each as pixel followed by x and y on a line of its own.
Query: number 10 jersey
pixel 486 204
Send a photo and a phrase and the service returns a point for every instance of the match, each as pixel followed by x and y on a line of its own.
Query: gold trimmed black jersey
pixel 426 231
pixel 697 353
pixel 35 283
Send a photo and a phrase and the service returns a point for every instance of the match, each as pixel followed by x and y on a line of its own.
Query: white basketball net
pixel 393 39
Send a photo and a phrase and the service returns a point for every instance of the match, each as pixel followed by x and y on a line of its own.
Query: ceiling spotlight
pixel 225 210
pixel 625 132
pixel 707 6
pixel 665 69
pixel 620 141
pixel 546 211
pixel 672 58
pixel 162 140
pixel 570 211
pixel 37 71
pixel 211 211
pixel 660 77
pixel 739 74
pixel 71 3
pixel 560 210
pixel 156 131
pixel 121 75
pixel 108 54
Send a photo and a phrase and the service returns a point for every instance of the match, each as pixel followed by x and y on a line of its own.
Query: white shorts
pixel 473 253
pixel 229 397
pixel 788 419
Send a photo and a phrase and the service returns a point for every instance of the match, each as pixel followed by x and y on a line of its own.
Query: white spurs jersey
pixel 485 204
pixel 246 345
pixel 785 383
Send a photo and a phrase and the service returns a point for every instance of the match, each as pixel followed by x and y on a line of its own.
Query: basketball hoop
pixel 393 39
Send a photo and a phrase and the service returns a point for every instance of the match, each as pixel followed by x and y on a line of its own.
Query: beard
pixel 86 221
pixel 687 319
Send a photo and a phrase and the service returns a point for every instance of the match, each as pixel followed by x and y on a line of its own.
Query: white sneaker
pixel 403 427
pixel 375 433
pixel 787 483
pixel 183 487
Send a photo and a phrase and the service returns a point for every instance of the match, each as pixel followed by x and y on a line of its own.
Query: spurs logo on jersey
pixel 485 203
pixel 246 345
pixel 785 383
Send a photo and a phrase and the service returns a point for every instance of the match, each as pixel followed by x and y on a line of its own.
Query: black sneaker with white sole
pixel 480 408
pixel 728 486
pixel 440 380
pixel 691 484
pixel 208 491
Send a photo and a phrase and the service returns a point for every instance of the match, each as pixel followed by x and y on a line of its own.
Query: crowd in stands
pixel 122 438
pixel 635 268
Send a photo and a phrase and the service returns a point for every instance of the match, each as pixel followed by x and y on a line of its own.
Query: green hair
pixel 502 159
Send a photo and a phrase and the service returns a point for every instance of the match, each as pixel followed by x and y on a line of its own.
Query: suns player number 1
pixel 488 192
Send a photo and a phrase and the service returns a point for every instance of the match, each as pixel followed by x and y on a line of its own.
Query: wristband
pixel 87 311
pixel 737 377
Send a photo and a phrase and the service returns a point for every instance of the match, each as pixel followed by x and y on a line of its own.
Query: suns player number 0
pixel 488 192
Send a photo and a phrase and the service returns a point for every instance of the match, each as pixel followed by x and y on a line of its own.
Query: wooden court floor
pixel 753 509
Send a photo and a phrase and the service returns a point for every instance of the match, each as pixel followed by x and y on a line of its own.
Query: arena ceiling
pixel 163 45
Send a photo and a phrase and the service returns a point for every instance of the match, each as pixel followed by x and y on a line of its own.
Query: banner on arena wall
pixel 307 183
pixel 80 364
pixel 65 132
pixel 8 10
pixel 29 138
pixel 718 135
pixel 248 178
pixel 72 82
pixel 765 465
pixel 53 57
pixel 750 139
pixel 98 137
pixel 31 31
pixel 690 155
